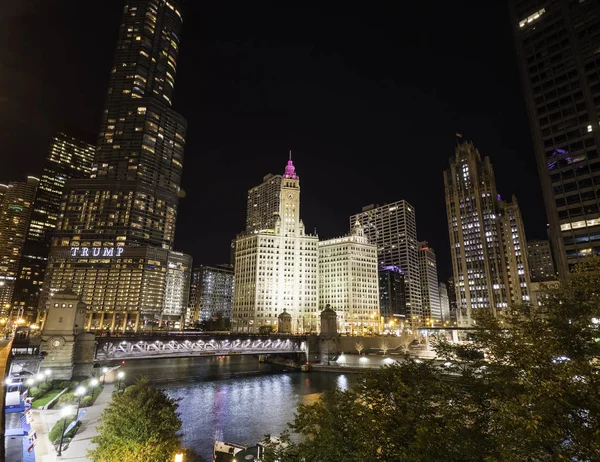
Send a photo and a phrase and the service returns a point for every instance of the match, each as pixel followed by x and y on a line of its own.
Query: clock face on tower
pixel 56 342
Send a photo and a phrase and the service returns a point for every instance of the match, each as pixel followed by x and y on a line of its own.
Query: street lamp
pixel 179 457
pixel 40 377
pixel 64 413
pixel 47 373
pixel 104 371
pixel 120 376
pixel 80 391
pixel 93 385
pixel 29 383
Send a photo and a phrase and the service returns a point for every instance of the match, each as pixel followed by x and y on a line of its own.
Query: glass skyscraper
pixel 68 157
pixel 557 45
pixel 116 230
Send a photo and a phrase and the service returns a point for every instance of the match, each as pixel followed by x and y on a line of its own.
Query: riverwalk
pixel 78 447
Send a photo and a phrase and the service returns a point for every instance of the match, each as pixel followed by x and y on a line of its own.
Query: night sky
pixel 368 98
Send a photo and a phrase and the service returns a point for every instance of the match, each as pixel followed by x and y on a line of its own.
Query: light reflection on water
pixel 239 396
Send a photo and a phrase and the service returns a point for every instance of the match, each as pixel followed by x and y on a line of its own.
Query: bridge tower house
pixel 69 350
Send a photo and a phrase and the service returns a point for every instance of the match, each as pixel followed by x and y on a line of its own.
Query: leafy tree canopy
pixel 139 424
pixel 535 396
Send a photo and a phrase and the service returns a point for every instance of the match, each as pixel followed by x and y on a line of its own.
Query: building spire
pixel 290 170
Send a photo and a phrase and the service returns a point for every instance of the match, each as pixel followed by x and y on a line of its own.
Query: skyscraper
pixel 263 204
pixel 16 206
pixel 430 292
pixel 445 305
pixel 557 46
pixel 486 235
pixel 115 235
pixel 393 228
pixel 349 282
pixel 541 264
pixel 68 158
pixel 276 269
pixel 214 291
pixel 392 297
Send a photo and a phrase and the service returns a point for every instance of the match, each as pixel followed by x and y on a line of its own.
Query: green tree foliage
pixel 535 396
pixel 139 424
pixel 265 330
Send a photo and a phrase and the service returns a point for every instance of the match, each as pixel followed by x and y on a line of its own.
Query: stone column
pixel 89 322
pixel 112 324
pixel 101 323
pixel 124 326
pixel 137 321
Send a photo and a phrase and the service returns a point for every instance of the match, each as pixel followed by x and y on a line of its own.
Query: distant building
pixel 349 283
pixel 392 297
pixel 213 289
pixel 445 305
pixel 393 228
pixel 557 45
pixel 16 207
pixel 263 204
pixel 541 263
pixel 68 158
pixel 487 239
pixel 430 295
pixel 452 299
pixel 277 268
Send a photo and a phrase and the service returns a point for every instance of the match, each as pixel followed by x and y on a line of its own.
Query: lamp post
pixel 104 371
pixel 93 385
pixel 80 391
pixel 40 377
pixel 29 383
pixel 120 376
pixel 179 457
pixel 47 373
pixel 65 412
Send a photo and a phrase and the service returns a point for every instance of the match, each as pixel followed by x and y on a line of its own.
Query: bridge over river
pixel 185 344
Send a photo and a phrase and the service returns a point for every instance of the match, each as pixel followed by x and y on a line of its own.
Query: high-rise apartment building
pixel 541 264
pixel 452 299
pixel 16 206
pixel 392 297
pixel 444 304
pixel 393 228
pixel 116 229
pixel 430 292
pixel 349 282
pixel 486 235
pixel 557 46
pixel 263 204
pixel 68 157
pixel 514 245
pixel 213 292
pixel 276 269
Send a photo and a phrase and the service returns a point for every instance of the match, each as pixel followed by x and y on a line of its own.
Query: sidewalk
pixel 76 452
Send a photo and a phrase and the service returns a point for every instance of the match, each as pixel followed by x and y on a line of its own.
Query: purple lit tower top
pixel 290 170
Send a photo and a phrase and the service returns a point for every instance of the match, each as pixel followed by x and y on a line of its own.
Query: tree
pixel 359 347
pixel 265 330
pixel 535 396
pixel 384 346
pixel 405 341
pixel 139 424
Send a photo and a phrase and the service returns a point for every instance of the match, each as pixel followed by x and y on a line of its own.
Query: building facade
pixel 277 269
pixel 557 46
pixel 214 287
pixel 392 297
pixel 68 157
pixel 445 305
pixel 541 264
pixel 430 292
pixel 393 228
pixel 125 213
pixel 16 207
pixel 487 239
pixel 263 204
pixel 349 282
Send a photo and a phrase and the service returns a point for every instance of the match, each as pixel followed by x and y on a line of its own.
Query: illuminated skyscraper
pixel 392 297
pixel 263 204
pixel 430 294
pixel 541 264
pixel 277 268
pixel 349 282
pixel 557 46
pixel 68 158
pixel 393 228
pixel 213 292
pixel 115 235
pixel 16 206
pixel 444 304
pixel 488 245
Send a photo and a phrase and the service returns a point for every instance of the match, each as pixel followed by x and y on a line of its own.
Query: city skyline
pixel 346 148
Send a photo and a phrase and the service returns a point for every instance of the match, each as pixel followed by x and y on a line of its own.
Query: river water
pixel 236 396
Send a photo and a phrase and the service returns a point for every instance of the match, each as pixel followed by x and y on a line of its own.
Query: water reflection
pixel 237 397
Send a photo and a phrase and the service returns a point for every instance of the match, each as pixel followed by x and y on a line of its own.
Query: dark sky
pixel 368 97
